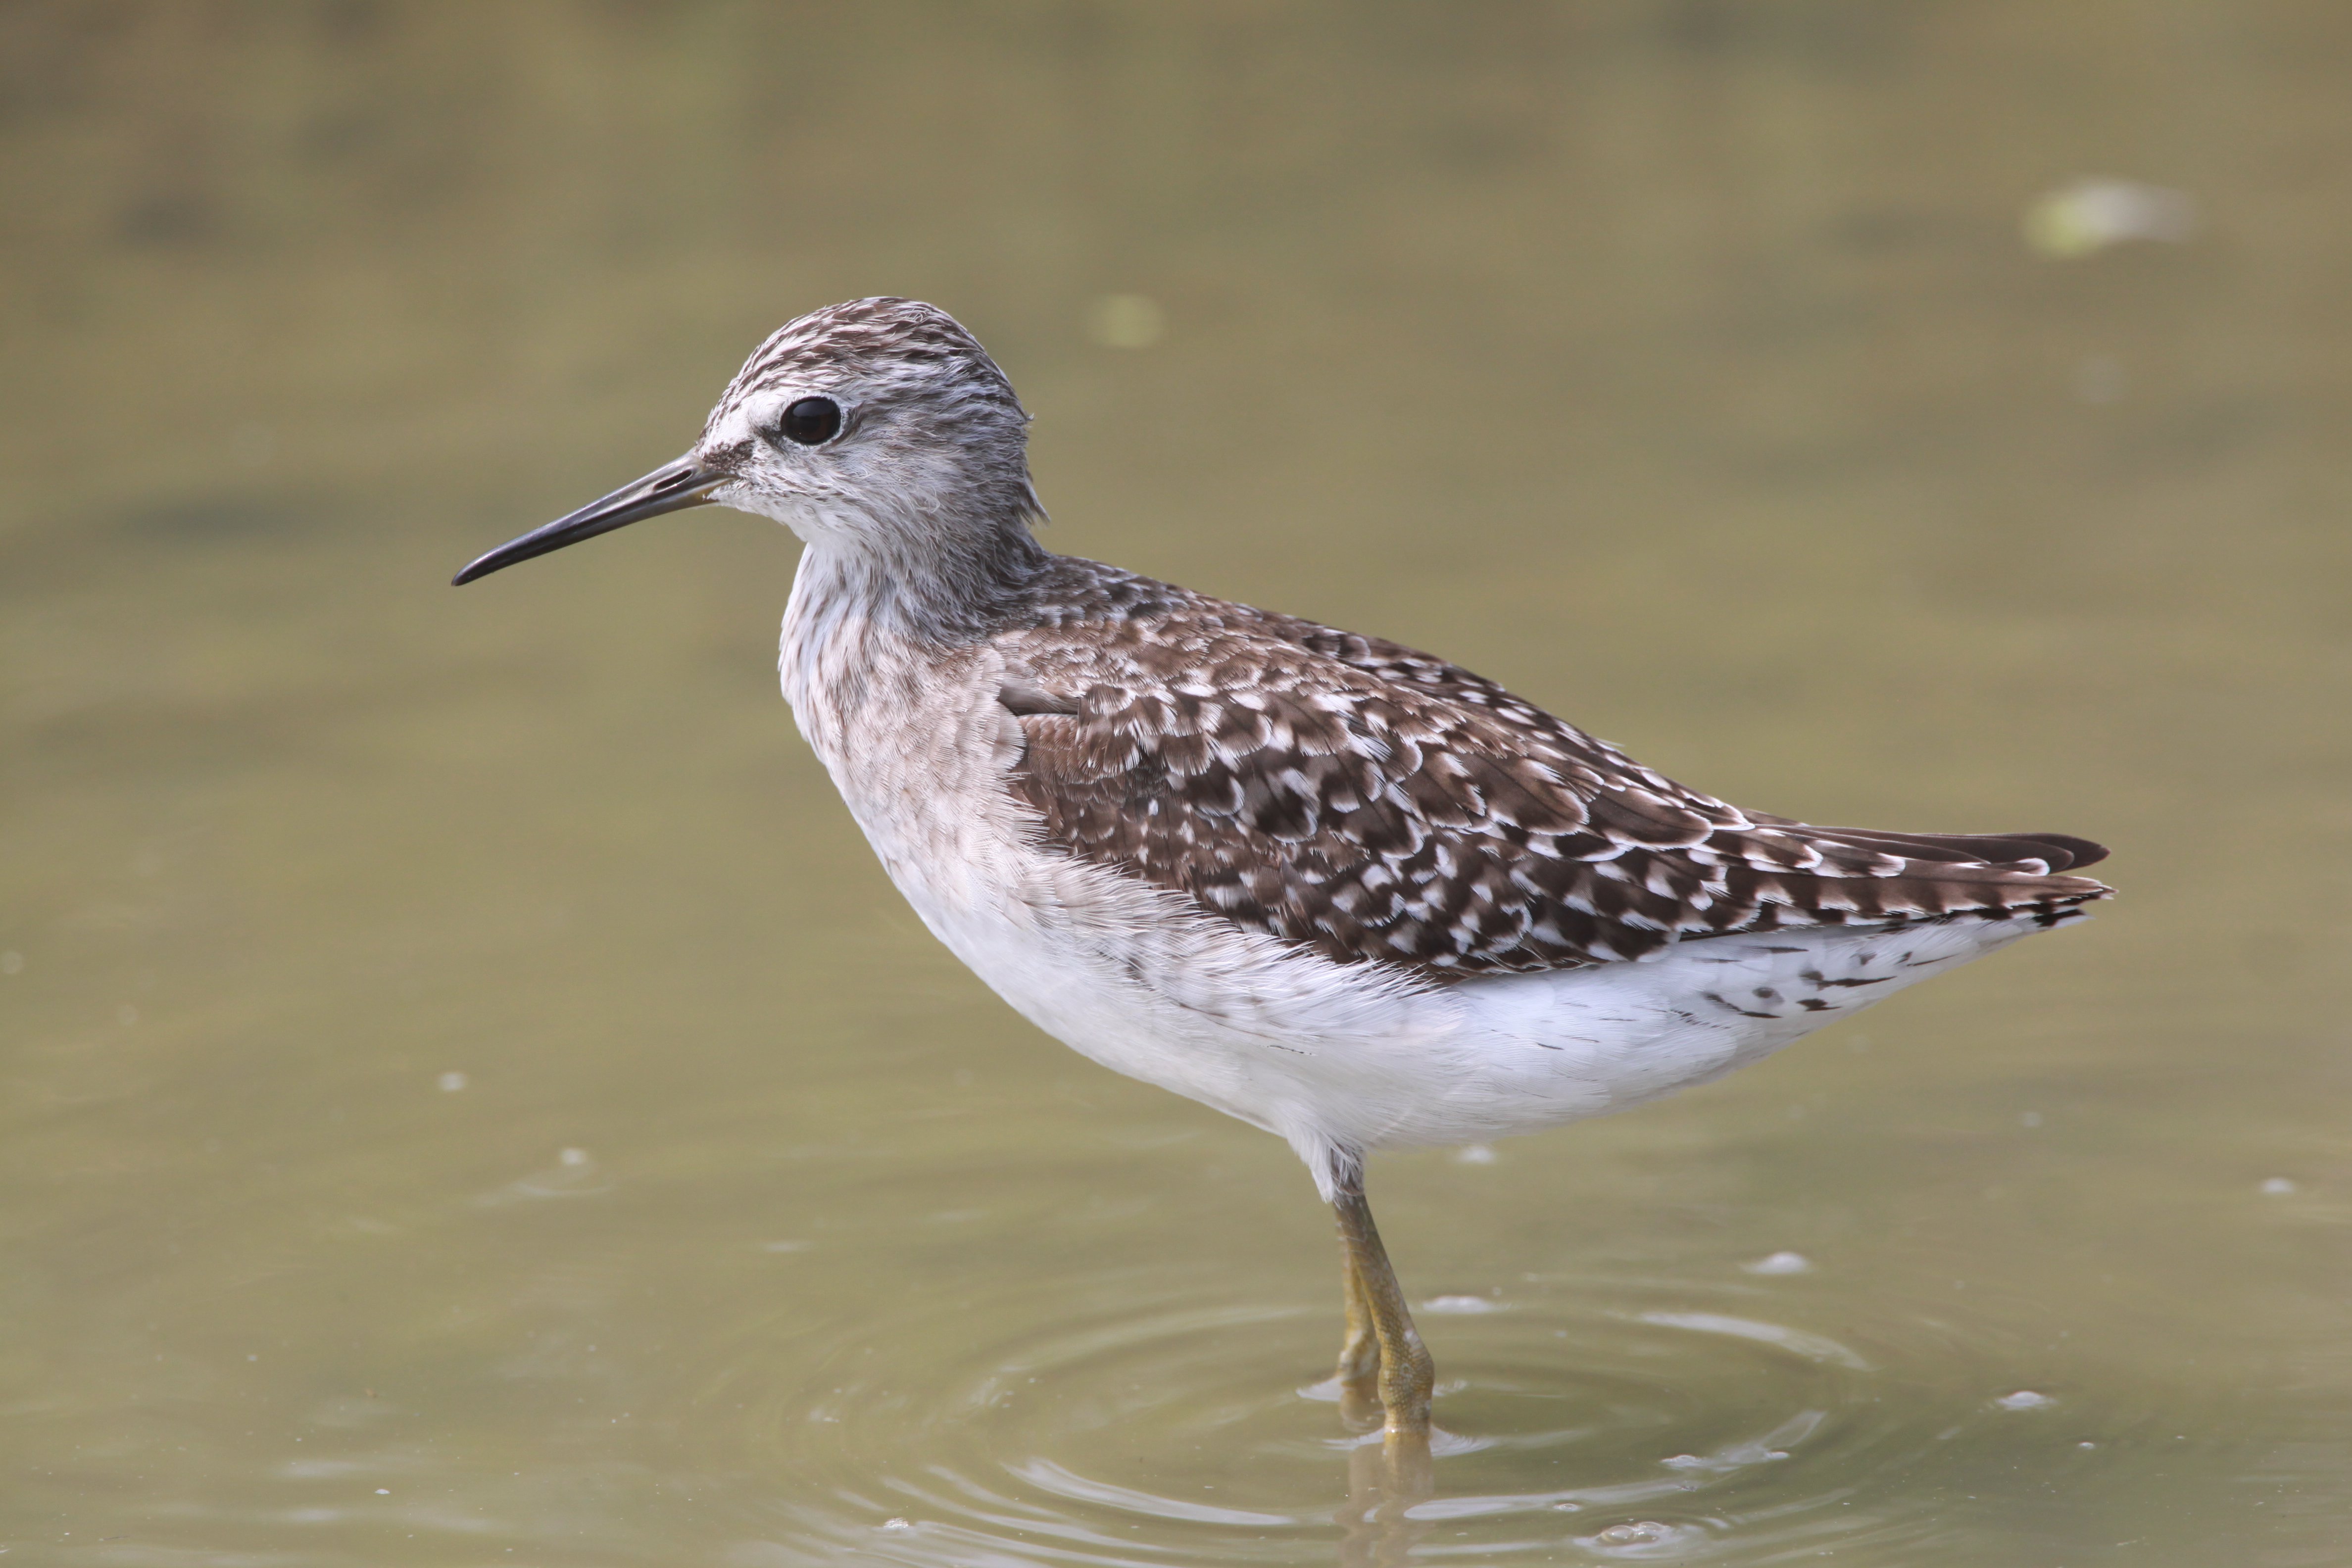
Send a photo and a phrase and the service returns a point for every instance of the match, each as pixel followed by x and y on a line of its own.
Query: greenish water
pixel 467 1094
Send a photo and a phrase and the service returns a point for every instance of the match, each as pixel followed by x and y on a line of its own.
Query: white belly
pixel 1329 1057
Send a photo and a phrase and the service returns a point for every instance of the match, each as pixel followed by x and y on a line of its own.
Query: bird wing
pixel 1382 805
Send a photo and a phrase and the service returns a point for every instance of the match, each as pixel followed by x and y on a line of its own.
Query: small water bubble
pixel 573 1176
pixel 1781 1263
pixel 1644 1538
pixel 2024 1399
pixel 2087 1443
pixel 384 1491
pixel 2088 216
pixel 1460 1306
pixel 2278 1187
pixel 1474 1154
pixel 451 1082
pixel 898 1524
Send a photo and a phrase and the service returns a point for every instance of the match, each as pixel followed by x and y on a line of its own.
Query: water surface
pixel 470 1096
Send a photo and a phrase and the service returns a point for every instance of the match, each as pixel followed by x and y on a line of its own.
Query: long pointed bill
pixel 673 486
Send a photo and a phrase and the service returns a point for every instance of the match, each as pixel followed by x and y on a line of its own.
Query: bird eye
pixel 811 421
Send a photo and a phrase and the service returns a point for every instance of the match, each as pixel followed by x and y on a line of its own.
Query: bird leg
pixel 1406 1374
pixel 1359 1373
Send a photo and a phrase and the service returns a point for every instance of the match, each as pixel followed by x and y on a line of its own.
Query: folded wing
pixel 1383 806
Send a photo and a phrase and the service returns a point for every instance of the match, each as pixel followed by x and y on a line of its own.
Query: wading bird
pixel 1346 891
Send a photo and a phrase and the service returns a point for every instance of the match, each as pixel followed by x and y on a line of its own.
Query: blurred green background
pixel 467 1095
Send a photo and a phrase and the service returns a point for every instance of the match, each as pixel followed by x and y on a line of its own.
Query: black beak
pixel 673 486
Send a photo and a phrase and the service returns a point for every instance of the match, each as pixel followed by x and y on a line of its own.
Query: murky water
pixel 470 1096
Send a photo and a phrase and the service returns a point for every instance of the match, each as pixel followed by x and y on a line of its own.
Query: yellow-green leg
pixel 1359 1353
pixel 1377 1312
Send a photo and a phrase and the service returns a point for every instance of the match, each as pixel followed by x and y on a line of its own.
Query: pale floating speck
pixel 1460 1306
pixel 1126 322
pixel 2025 1399
pixel 898 1524
pixel 451 1082
pixel 11 963
pixel 573 1176
pixel 384 1491
pixel 127 1015
pixel 1474 1154
pixel 2087 1443
pixel 783 1247
pixel 2030 1119
pixel 1649 1532
pixel 1781 1263
pixel 2088 216
pixel 2278 1187
pixel 1770 1448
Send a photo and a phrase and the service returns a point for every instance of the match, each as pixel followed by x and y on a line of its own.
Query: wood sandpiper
pixel 1346 891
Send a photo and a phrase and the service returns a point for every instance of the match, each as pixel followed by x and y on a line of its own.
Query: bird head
pixel 879 426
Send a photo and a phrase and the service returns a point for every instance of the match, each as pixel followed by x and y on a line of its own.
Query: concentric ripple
pixel 1135 1419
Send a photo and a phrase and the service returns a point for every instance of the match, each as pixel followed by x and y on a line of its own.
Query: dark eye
pixel 813 421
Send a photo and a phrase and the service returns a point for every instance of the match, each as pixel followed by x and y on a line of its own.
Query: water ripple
pixel 1133 1419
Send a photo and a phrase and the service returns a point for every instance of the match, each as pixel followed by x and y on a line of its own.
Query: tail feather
pixel 2055 851
pixel 1900 878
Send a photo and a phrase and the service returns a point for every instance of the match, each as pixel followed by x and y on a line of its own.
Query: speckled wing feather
pixel 1381 805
